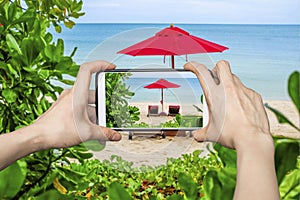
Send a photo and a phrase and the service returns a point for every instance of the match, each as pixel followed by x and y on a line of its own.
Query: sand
pixel 153 150
pixel 185 109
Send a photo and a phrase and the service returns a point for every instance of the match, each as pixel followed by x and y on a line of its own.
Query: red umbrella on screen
pixel 172 41
pixel 162 84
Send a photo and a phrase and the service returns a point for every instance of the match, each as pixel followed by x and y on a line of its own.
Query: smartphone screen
pixel 149 99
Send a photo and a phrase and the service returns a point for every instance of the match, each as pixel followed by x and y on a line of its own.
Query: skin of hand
pixel 238 120
pixel 71 118
pixel 68 122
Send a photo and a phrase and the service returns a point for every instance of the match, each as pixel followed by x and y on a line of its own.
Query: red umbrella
pixel 162 84
pixel 172 41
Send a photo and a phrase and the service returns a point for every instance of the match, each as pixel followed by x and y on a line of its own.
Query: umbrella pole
pixel 162 100
pixel 173 61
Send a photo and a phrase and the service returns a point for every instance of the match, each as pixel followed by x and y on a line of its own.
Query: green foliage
pixel 286 153
pixel 290 187
pixel 219 183
pixel 29 61
pixel 189 187
pixel 12 179
pixel 287 150
pixel 116 178
pixel 173 123
pixel 294 89
pixel 294 92
pixel 117 192
pixel 118 111
pixel 184 121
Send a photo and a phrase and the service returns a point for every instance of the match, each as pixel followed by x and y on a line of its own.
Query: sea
pixel 262 56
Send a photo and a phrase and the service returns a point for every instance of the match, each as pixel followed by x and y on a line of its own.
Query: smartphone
pixel 150 100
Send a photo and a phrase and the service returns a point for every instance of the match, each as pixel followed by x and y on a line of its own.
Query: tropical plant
pixel 118 179
pixel 118 112
pixel 29 61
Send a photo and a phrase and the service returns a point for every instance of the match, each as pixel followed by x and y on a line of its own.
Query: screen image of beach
pixel 153 99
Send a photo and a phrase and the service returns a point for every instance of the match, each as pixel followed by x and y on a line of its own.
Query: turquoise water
pixel 262 56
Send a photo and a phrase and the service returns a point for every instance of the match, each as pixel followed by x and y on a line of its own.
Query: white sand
pixel 153 151
pixel 185 109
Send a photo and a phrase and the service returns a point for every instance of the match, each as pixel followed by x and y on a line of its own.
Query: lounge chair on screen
pixel 174 110
pixel 152 110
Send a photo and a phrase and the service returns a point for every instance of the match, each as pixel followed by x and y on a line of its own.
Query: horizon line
pixel 191 23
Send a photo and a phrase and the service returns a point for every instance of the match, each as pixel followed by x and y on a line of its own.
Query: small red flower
pixel 1 24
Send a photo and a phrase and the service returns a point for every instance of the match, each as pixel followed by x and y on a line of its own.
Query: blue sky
pixel 192 11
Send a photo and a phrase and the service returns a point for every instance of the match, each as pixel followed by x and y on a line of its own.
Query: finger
pixel 203 74
pixel 205 78
pixel 200 135
pixel 91 110
pixel 83 79
pixel 223 71
pixel 105 134
pixel 92 97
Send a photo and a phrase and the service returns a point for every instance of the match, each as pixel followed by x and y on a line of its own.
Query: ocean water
pixel 262 56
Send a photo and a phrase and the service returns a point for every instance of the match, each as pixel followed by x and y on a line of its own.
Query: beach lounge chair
pixel 152 110
pixel 173 110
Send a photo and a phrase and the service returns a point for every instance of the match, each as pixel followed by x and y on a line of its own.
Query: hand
pixel 69 121
pixel 237 119
pixel 236 113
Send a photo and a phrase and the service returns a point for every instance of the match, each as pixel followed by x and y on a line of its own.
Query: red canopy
pixel 161 84
pixel 172 41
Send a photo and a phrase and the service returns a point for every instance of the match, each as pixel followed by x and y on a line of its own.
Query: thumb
pixel 101 133
pixel 200 135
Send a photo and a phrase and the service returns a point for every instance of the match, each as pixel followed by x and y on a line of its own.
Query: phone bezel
pixel 100 96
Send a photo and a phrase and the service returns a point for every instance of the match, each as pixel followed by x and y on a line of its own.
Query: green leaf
pixel 69 24
pixel 30 50
pixel 60 47
pixel 174 197
pixel 51 194
pixel 290 187
pixel 117 192
pixel 189 187
pixel 12 11
pixel 220 184
pixel 51 53
pixel 71 175
pixel 12 179
pixel 9 95
pixel 212 185
pixel 227 177
pixel 73 52
pixel 228 156
pixel 286 153
pixel 294 89
pixel 94 145
pixel 281 118
pixel 68 82
pixel 12 43
pixel 57 28
pixel 27 16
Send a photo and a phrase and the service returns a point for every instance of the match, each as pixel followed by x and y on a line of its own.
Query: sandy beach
pixel 153 150
pixel 185 109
